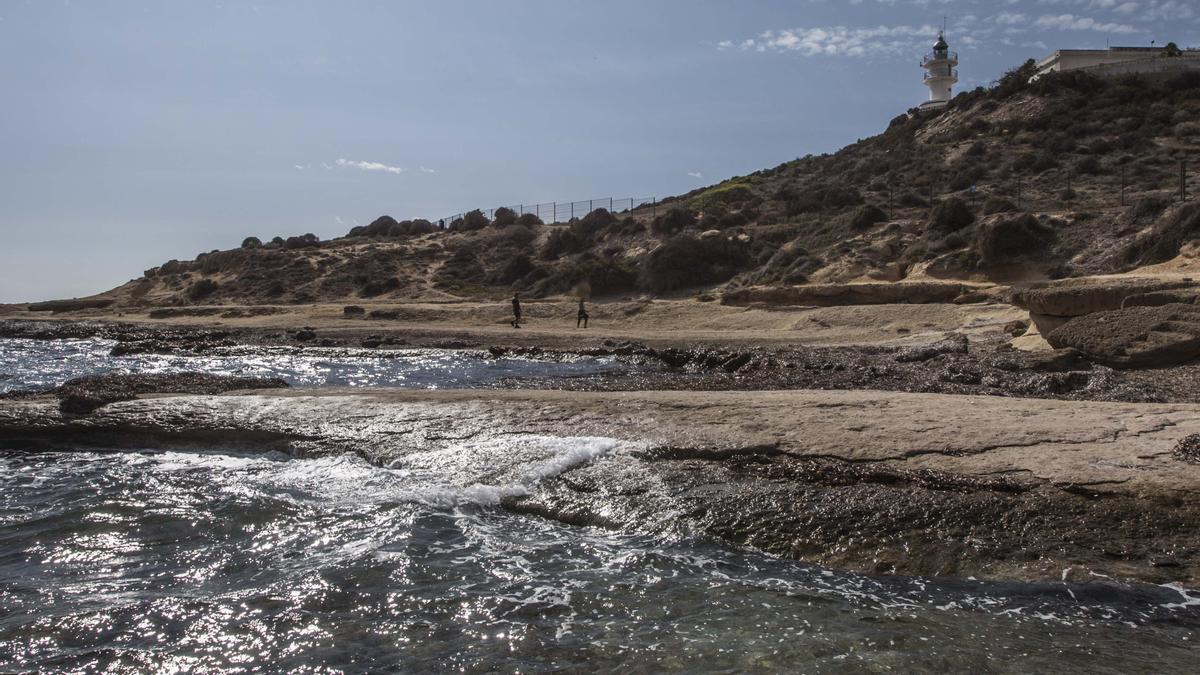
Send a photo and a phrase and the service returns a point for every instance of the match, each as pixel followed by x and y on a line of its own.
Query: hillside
pixel 1022 181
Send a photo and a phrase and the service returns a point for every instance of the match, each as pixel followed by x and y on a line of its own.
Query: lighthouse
pixel 941 73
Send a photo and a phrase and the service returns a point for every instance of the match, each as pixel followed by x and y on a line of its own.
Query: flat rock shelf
pixel 881 482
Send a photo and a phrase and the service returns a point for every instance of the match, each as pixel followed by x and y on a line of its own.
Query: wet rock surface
pixel 83 395
pixel 873 481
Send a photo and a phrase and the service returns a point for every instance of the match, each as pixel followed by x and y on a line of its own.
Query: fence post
pixel 553 212
pixel 610 204
pixel 1122 185
pixel 1183 180
pixel 653 207
pixel 1068 193
pixel 1018 192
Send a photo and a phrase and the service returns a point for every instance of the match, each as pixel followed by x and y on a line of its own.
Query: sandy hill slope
pixel 1066 176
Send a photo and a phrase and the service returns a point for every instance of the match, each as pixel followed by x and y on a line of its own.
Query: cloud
pixel 1072 22
pixel 838 40
pixel 695 174
pixel 425 169
pixel 1010 18
pixel 368 166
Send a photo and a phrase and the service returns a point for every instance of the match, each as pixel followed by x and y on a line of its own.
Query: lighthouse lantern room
pixel 941 73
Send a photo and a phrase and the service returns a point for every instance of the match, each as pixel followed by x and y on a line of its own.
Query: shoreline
pixel 875 482
pixel 962 362
pixel 550 324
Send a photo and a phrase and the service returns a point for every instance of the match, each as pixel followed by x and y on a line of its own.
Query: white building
pixel 1119 61
pixel 941 74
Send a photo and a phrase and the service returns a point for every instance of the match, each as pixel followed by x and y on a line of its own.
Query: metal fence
pixel 1047 191
pixel 562 212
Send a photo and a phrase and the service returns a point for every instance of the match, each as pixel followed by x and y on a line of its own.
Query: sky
pixel 132 133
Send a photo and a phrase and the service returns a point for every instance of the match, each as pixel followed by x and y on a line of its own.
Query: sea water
pixel 165 561
pixel 41 364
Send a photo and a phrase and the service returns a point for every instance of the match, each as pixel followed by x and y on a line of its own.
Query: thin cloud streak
pixel 369 166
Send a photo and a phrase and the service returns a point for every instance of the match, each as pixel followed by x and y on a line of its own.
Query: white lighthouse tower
pixel 941 73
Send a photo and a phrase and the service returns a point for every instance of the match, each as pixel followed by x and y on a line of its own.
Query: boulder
pixel 1134 337
pixel 1078 299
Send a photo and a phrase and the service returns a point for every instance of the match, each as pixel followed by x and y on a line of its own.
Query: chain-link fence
pixel 562 212
pixel 1046 191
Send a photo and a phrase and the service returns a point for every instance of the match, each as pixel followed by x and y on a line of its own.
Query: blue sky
pixel 136 132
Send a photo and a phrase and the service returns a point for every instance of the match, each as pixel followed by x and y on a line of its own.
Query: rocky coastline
pixel 957 455
pixel 878 482
pixel 951 364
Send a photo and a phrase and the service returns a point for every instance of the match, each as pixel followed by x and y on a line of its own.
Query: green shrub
pixel 866 216
pixel 201 289
pixel 726 193
pixel 821 197
pixel 380 227
pixel 1005 240
pixel 998 205
pixel 304 241
pixel 514 269
pixel 503 217
pixel 910 199
pixel 422 226
pixel 529 220
pixel 1088 166
pixel 511 239
pixel 562 241
pixel 951 215
pixel 594 223
pixel 673 221
pixel 684 261
pixel 251 242
pixel 377 287
pixel 474 220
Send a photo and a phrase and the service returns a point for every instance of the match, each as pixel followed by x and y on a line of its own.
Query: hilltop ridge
pixel 1068 175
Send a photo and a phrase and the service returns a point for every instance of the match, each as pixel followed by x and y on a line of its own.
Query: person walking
pixel 516 304
pixel 582 316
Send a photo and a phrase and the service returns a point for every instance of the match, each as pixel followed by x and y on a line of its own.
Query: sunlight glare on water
pixel 40 364
pixel 216 561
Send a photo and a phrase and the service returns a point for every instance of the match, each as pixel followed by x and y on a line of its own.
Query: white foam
pixel 481 473
pixel 1190 598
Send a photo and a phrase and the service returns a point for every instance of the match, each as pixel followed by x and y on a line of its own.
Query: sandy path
pixel 657 322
